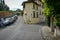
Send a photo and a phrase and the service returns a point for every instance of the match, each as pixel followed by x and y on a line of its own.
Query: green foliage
pixel 6 8
pixel 48 10
pixel 19 12
pixel 3 7
pixel 58 21
pixel 52 7
pixel 48 7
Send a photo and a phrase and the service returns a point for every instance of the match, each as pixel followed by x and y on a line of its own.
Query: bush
pixel 18 14
pixel 58 21
pixel 58 24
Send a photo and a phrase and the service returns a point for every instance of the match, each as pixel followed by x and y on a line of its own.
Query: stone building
pixel 32 11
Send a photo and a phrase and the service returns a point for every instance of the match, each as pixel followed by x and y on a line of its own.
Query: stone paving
pixel 46 34
pixel 49 35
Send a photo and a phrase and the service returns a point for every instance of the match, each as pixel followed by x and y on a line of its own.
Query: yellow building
pixel 32 10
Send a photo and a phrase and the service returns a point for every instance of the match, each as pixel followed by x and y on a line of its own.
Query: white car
pixel 11 20
pixel 15 17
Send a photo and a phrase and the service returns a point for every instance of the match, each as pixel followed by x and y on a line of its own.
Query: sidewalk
pixel 50 36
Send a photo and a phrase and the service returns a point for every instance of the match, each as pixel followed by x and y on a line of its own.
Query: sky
pixel 14 4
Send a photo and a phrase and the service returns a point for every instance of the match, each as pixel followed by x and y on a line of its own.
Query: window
pixel 33 6
pixel 37 7
pixel 37 14
pixel 33 14
pixel 40 12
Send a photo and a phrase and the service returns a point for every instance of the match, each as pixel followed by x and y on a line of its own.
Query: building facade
pixel 32 11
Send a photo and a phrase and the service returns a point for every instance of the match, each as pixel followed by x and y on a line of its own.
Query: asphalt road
pixel 21 31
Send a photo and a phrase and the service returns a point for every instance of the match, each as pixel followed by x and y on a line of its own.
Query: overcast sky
pixel 14 4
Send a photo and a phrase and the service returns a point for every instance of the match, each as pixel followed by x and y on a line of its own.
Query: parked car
pixel 6 21
pixel 9 20
pixel 1 24
pixel 16 16
pixel 13 19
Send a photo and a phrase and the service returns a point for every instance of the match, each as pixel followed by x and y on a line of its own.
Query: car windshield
pixel 7 18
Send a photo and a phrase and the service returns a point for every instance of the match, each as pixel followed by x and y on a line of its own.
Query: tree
pixel 52 10
pixel 6 8
pixel 19 12
pixel 3 7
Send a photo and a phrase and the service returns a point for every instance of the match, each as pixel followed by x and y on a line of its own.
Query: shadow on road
pixel 41 24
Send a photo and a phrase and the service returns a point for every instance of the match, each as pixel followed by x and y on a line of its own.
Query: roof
pixel 30 2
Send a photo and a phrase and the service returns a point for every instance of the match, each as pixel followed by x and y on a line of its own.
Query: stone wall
pixel 5 14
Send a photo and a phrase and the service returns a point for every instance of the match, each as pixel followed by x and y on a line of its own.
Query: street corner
pixel 47 31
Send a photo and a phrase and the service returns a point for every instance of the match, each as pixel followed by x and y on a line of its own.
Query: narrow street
pixel 21 31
